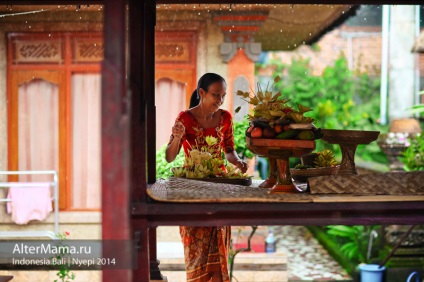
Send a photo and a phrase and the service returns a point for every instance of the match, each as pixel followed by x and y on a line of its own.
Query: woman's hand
pixel 235 160
pixel 243 166
pixel 178 130
pixel 173 148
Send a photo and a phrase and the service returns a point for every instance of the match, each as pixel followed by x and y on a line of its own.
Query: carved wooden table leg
pixel 347 165
pixel 273 174
pixel 284 182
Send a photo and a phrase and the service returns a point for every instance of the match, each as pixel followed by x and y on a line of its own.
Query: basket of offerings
pixel 278 131
pixel 202 164
pixel 317 164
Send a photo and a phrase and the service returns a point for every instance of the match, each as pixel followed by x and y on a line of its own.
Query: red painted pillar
pixel 115 141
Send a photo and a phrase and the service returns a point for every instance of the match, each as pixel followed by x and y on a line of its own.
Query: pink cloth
pixel 29 203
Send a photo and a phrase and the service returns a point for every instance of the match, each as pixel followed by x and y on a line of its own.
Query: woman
pixel 206 248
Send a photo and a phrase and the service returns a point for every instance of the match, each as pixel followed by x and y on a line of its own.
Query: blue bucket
pixel 417 277
pixel 371 272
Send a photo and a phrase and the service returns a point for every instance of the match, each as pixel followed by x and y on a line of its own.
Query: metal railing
pixel 55 199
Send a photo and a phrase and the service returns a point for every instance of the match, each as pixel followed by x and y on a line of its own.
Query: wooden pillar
pixel 149 86
pixel 155 273
pixel 142 271
pixel 149 92
pixel 115 140
pixel 138 101
pixel 143 124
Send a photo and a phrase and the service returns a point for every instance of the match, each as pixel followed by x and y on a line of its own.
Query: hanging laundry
pixel 29 202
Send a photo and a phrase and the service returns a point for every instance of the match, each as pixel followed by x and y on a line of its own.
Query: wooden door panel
pixel 175 58
pixel 185 76
pixel 17 78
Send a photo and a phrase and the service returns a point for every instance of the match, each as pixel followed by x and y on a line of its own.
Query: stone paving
pixel 307 259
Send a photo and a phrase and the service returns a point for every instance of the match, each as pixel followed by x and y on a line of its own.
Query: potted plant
pixel 355 243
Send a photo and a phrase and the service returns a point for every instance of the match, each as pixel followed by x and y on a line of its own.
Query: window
pixel 54 121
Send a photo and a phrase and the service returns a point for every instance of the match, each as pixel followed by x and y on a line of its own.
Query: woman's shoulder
pixel 185 116
pixel 226 114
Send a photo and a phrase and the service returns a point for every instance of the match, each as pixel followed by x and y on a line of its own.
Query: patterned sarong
pixel 206 251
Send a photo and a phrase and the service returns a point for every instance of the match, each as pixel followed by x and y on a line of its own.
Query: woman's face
pixel 214 98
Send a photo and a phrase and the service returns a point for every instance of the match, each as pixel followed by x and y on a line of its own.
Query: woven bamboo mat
pixel 390 183
pixel 188 190
pixel 179 190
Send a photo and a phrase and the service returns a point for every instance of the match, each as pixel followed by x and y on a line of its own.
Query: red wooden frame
pixel 129 159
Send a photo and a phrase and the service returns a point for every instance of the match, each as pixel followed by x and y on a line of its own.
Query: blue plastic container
pixel 371 272
pixel 412 275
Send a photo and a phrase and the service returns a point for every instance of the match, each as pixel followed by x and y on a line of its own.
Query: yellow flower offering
pixel 201 163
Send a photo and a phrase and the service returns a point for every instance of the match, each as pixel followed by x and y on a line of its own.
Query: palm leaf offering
pixel 325 159
pixel 273 117
pixel 202 162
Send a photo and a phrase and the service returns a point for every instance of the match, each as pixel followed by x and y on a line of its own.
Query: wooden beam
pixel 234 2
pixel 297 2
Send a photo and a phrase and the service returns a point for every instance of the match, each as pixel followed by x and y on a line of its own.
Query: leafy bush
pixel 340 98
pixel 418 109
pixel 240 139
pixel 413 156
pixel 163 168
pixel 354 242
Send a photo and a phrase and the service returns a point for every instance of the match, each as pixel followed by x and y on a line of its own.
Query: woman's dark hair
pixel 204 82
pixel 194 99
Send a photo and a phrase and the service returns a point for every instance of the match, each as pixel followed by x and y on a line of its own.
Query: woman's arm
pixel 174 146
pixel 172 150
pixel 235 160
pixel 228 143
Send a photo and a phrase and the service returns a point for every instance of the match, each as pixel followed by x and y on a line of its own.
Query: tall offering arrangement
pixel 278 131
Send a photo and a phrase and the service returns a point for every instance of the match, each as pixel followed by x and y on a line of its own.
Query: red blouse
pixel 194 136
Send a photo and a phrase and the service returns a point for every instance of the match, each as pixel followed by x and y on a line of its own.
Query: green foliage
pixel 240 139
pixel 163 168
pixel 418 109
pixel 315 47
pixel 64 274
pixel 413 156
pixel 340 98
pixel 353 241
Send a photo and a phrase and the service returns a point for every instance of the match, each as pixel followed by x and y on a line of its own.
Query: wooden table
pixel 289 209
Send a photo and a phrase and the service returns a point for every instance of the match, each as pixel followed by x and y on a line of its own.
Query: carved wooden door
pixel 175 76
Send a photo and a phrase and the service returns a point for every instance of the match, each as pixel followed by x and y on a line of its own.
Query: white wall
pixel 401 61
